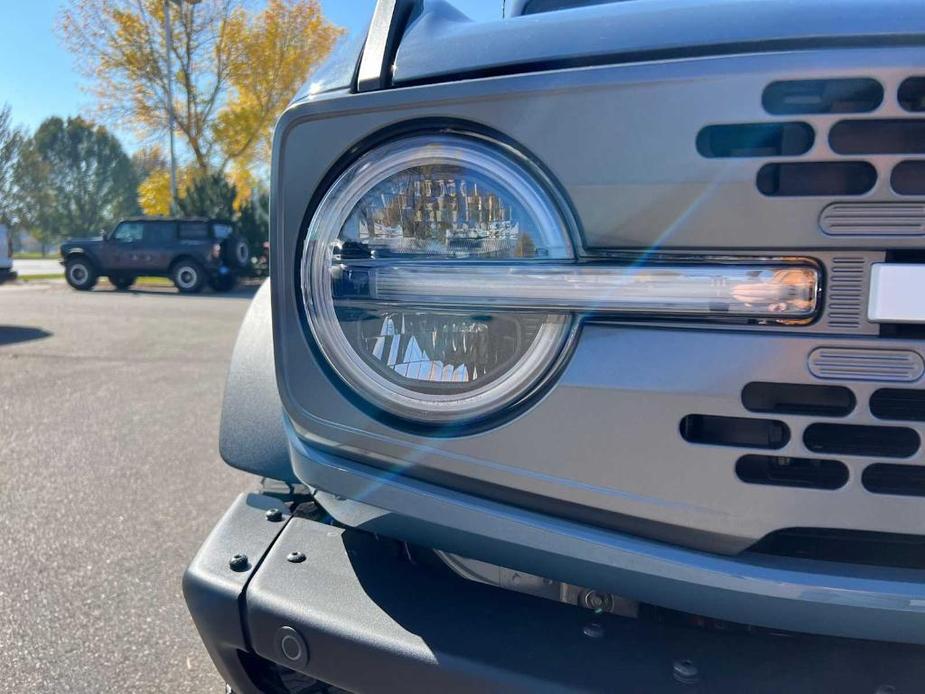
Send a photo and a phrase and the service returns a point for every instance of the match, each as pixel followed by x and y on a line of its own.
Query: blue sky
pixel 37 75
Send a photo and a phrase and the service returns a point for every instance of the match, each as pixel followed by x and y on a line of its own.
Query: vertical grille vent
pixel 847 288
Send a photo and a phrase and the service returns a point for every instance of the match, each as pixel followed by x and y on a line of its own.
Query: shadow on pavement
pixel 11 334
pixel 242 292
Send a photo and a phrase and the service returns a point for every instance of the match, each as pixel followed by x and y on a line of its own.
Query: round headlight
pixel 447 203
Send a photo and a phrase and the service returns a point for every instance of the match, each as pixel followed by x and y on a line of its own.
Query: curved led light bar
pixel 772 291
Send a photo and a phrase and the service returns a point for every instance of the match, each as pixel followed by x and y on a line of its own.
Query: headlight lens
pixel 432 199
pixel 439 280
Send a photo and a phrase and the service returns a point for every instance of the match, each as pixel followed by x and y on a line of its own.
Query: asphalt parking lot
pixel 109 480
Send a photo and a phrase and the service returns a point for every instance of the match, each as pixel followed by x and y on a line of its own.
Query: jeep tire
pixel 80 273
pixel 121 281
pixel 188 276
pixel 236 253
pixel 223 283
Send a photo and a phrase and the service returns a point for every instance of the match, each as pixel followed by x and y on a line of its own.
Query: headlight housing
pixel 440 283
pixel 436 199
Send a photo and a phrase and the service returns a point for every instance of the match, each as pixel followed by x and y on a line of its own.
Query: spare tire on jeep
pixel 236 253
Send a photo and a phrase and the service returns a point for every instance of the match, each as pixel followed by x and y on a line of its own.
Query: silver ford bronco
pixel 592 359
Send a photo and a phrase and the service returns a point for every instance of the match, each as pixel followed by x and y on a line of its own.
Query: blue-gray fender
pixel 252 437
pixel 86 251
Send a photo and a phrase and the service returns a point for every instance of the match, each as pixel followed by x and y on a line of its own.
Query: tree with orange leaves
pixel 235 69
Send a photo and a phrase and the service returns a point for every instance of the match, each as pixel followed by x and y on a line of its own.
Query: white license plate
pixel 897 293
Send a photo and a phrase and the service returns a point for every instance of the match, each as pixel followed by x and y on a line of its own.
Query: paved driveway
pixel 109 480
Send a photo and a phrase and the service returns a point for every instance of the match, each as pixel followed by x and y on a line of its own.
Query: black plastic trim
pixel 374 621
pixel 389 19
pixel 214 590
pixel 251 436
pixel 864 547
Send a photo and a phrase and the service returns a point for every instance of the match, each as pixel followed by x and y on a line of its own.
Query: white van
pixel 6 255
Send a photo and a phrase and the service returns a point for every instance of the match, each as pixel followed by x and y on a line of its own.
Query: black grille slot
pixel 908 178
pixel 851 95
pixel 901 404
pixel 912 94
pixel 755 140
pixel 903 331
pixel 735 431
pixel 892 136
pixel 853 439
pixel 782 471
pixel 848 546
pixel 800 179
pixel 901 480
pixel 798 398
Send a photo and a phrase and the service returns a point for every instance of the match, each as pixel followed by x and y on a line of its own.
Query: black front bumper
pixel 358 614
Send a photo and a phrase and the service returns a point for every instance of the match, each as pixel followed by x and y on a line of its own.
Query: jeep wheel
pixel 188 276
pixel 236 252
pixel 223 283
pixel 80 274
pixel 121 281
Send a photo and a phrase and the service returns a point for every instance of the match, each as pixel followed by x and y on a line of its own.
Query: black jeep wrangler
pixel 191 252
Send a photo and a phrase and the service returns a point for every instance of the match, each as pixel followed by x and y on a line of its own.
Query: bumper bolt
pixel 593 631
pixel 238 562
pixel 274 515
pixel 685 671
pixel 295 557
